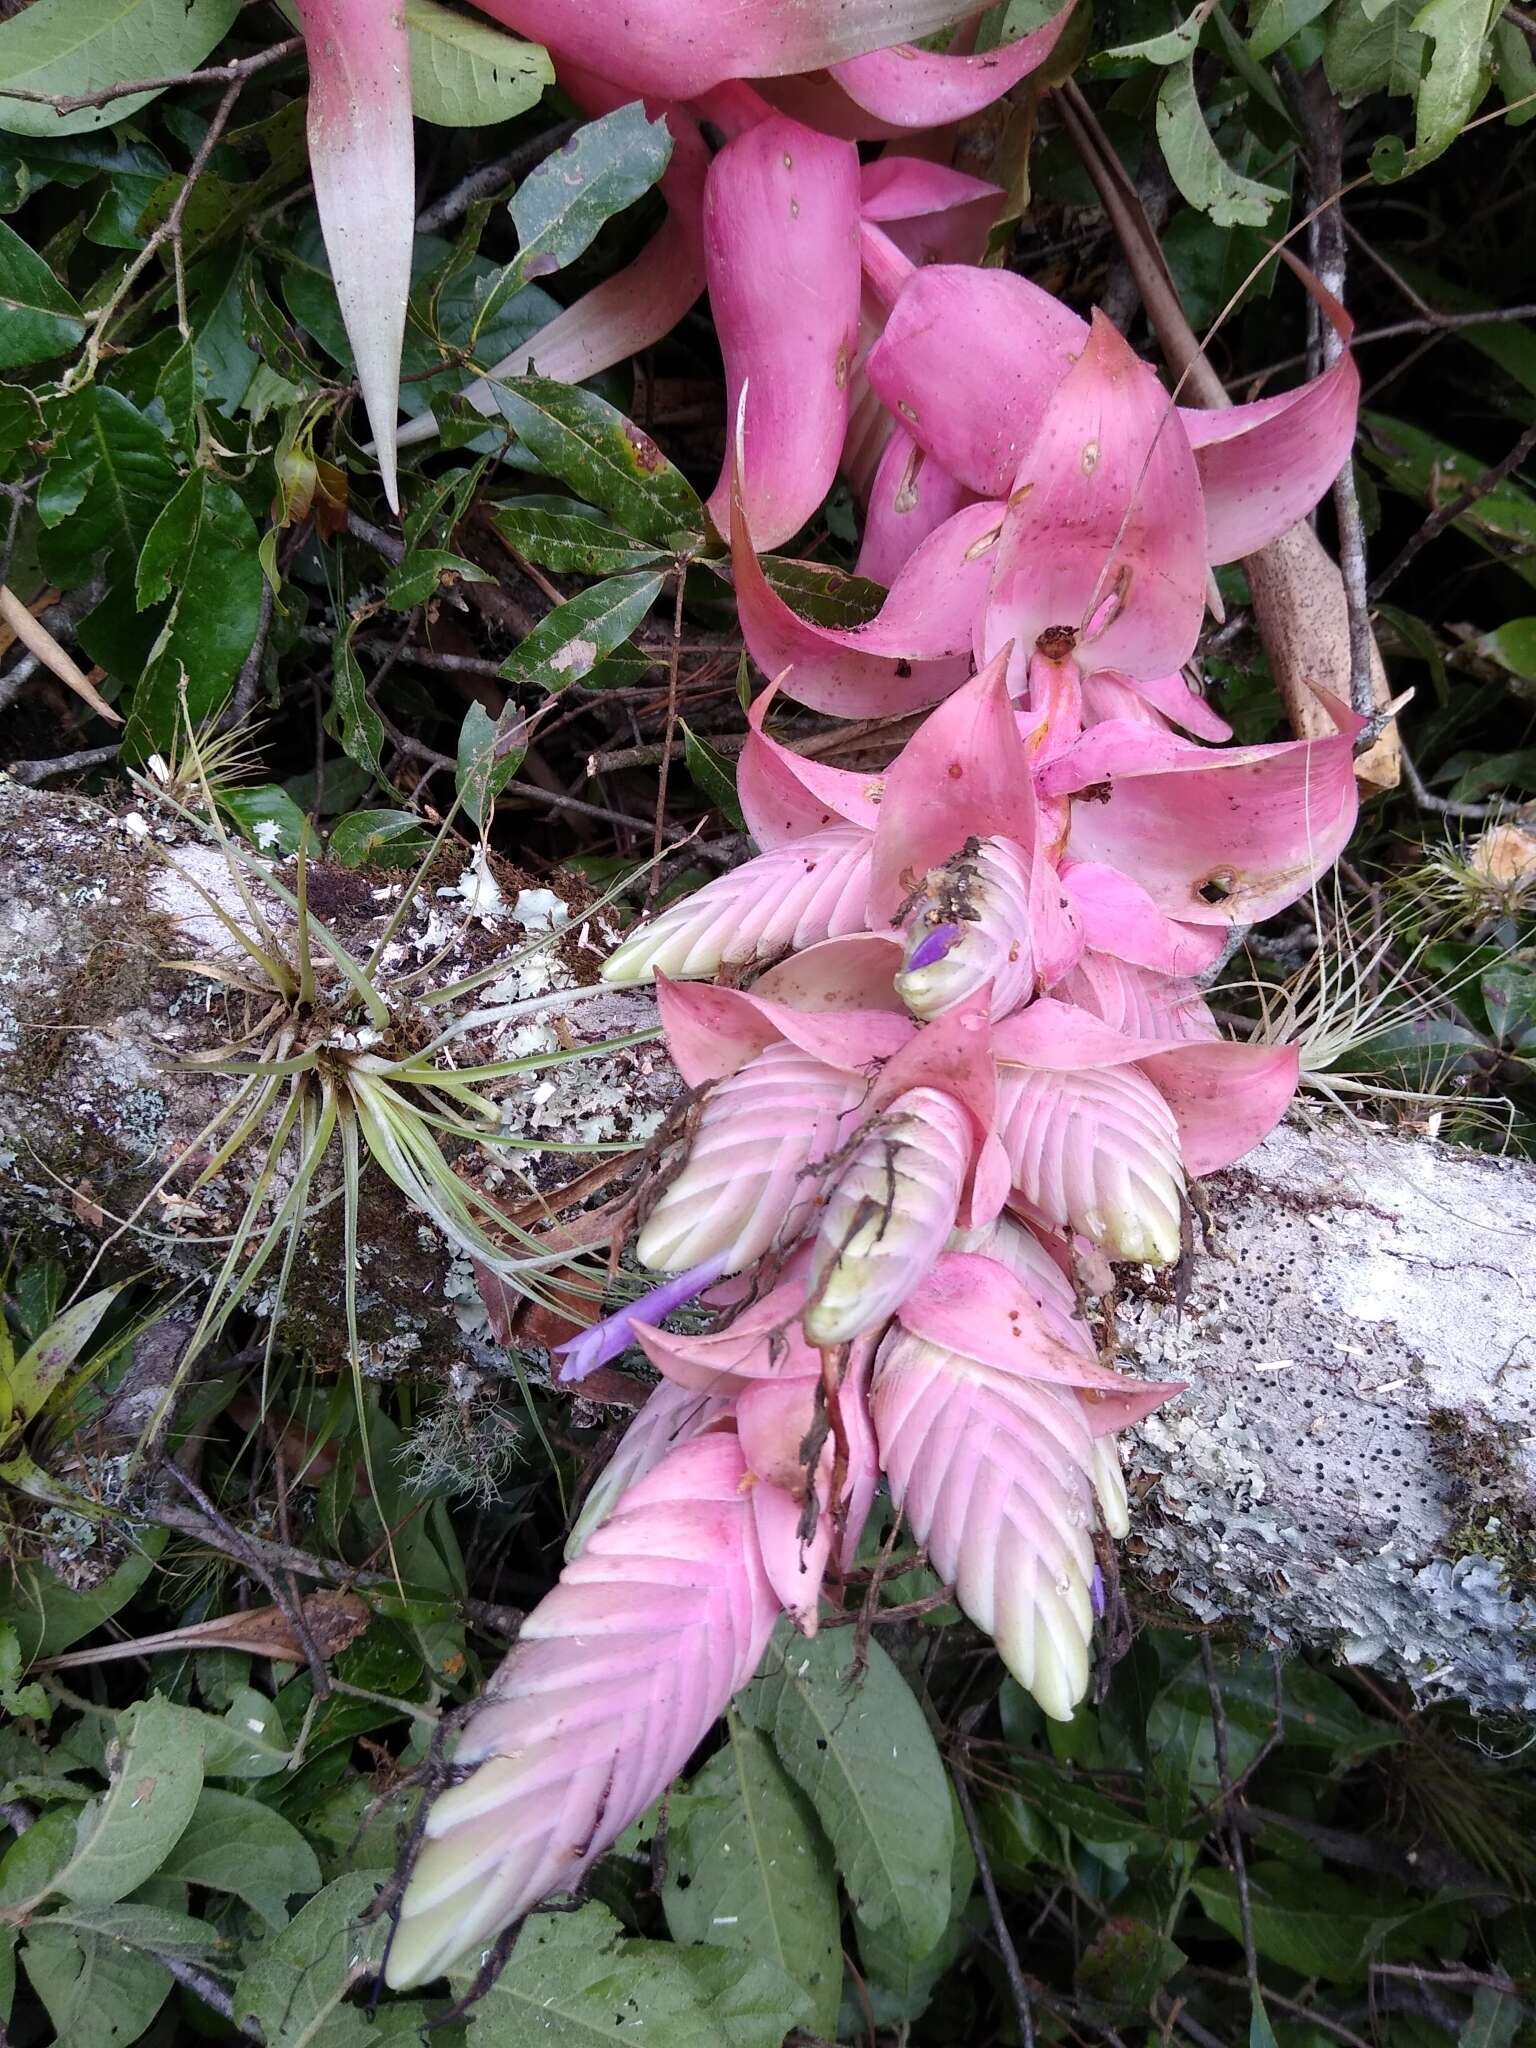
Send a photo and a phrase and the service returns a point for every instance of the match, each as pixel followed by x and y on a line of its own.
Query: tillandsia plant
pixel 945 1032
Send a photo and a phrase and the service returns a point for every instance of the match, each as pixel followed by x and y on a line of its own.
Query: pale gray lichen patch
pixel 1364 1285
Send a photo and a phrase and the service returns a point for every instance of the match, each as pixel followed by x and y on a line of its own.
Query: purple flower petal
pixel 605 1340
pixel 1097 1590
pixel 932 948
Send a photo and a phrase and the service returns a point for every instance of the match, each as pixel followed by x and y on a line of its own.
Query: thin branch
pixel 1452 509
pixel 490 179
pixel 1016 1984
pixel 234 73
pixel 1443 807
pixel 665 764
pixel 33 772
pixel 207 1991
pixel 1234 1832
pixel 249 678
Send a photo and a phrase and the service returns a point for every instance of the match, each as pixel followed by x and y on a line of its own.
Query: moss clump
pixel 1488 1493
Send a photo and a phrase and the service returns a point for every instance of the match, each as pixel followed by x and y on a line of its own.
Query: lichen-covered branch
pixel 1350 1467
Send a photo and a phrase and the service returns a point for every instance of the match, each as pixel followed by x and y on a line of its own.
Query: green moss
pixel 1487 1491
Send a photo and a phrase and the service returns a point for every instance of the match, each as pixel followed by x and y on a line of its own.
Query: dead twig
pixel 1445 515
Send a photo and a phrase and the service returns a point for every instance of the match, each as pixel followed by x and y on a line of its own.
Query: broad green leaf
pixel 7 1973
pixel 1512 647
pixel 901 1990
pixel 248 1742
pixel 714 776
pixel 827 597
pixel 424 572
pixel 110 475
pixel 748 1868
pixel 48 1616
pixel 491 751
pixel 359 727
pixel 34 1860
pixel 1495 2019
pixel 1457 76
pixel 1373 49
pixel 568 643
pixel 1496 771
pixel 20 424
pixel 466 73
pixel 570 539
pixel 201 554
pixel 1418 463
pixel 98 1993
pixel 233 1844
pixel 66 48
pixel 860 1750
pixel 38 317
pixel 1126 1964
pixel 44 1365
pixel 296 1986
pixel 1515 68
pixel 1195 164
pixel 1171 48
pixel 29 1701
pixel 126 1835
pixel 386 839
pixel 139 1925
pixel 267 815
pixel 1307 1920
pixel 564 200
pixel 1114 1835
pixel 1277 21
pixel 751 1999
pixel 573 1980
pixel 603 457
pixel 1509 997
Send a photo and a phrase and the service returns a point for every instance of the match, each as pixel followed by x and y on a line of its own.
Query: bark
pixel 1350 1468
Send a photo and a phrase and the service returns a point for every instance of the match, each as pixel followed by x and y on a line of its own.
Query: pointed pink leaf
pixel 1096 1152
pixel 839 974
pixel 1224 836
pixel 670 1415
pixel 1173 698
pixel 362 159
pixel 774 1417
pixel 1105 535
pixel 952 1054
pixel 745 1185
pixel 713 1031
pixel 1263 466
pixel 657 46
pixel 993 1474
pixel 785 795
pixel 813 888
pixel 1022 1253
pixel 762 1341
pixel 925 89
pixel 965 772
pixel 617 1677
pixel 968 362
pixel 888 1213
pixel 932 214
pixel 1119 917
pixel 1135 1002
pixel 1226 1097
pixel 795 1567
pixel 909 498
pixel 820 102
pixel 781 244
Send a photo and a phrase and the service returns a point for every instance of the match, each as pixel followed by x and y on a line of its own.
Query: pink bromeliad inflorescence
pixel 945 1032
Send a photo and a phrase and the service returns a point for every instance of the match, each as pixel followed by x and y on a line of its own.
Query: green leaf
pixel 140 1925
pixel 61 47
pixel 201 553
pixel 1457 76
pixel 267 815
pixel 827 597
pixel 714 775
pixel 568 643
pixel 1260 2033
pixel 1171 48
pixel 1277 21
pixel 750 1998
pixel 603 457
pixel 232 1844
pixel 110 475
pixel 1502 520
pixel 248 1742
pixel 1373 49
pixel 564 200
pixel 1509 996
pixel 48 1615
pixel 29 1701
pixel 573 1981
pixel 748 1868
pixel 424 572
pixel 360 728
pixel 44 1365
pixel 386 839
pixel 491 751
pixel 127 1834
pixel 1495 2019
pixel 296 1987
pixel 21 423
pixel 901 1990
pixel 861 1751
pixel 1195 164
pixel 98 1993
pixel 1307 1920
pixel 1126 1964
pixel 467 73
pixel 38 317
pixel 570 539
pixel 1512 646
pixel 1515 68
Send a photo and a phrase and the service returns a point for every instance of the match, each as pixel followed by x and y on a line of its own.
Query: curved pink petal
pixel 1118 916
pixel 1096 1152
pixel 616 1678
pixel 362 159
pixel 785 795
pixel 795 1563
pixel 887 1214
pixel 781 248
pixel 1136 1002
pixel 774 1419
pixel 658 46
pixel 1264 465
pixel 839 974
pixel 711 1032
pixel 629 311
pixel 1105 535
pixel 745 1186
pixel 819 101
pixel 813 888
pixel 993 1475
pixel 762 1341
pixel 932 214
pixel 1172 697
pixel 925 89
pixel 968 362
pixel 670 1415
pixel 910 498
pixel 1214 837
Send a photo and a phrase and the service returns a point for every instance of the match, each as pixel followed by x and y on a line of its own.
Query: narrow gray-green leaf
pixel 748 1868
pixel 569 642
pixel 68 48
pixel 1195 164
pixel 201 552
pixel 861 1751
pixel 572 542
pixel 491 751
pixel 361 730
pixel 38 317
pixel 714 776
pixel 603 457
pixel 126 1835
